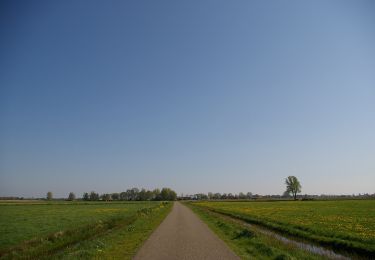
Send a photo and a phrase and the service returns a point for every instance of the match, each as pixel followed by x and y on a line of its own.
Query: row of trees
pixel 219 196
pixel 293 187
pixel 133 194
pixel 71 196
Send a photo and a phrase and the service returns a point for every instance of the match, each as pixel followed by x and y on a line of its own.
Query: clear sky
pixel 199 96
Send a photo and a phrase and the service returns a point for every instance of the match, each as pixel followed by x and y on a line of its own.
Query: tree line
pixel 133 194
pixel 218 196
pixel 293 187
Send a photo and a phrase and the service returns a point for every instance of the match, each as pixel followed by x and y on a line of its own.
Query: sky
pixel 198 96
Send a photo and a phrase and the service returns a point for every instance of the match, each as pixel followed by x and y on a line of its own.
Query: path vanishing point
pixel 182 235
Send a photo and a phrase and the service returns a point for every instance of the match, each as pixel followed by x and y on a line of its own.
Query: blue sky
pixel 220 96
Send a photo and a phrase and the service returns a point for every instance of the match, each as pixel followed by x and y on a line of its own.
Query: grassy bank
pixel 342 225
pixel 84 230
pixel 248 243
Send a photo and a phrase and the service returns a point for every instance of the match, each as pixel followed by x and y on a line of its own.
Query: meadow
pixel 39 229
pixel 343 225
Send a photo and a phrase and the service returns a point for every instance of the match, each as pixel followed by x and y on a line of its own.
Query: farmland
pixel 77 229
pixel 343 225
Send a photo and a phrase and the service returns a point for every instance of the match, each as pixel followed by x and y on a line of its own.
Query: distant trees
pixel 123 196
pixel 106 197
pixel 293 186
pixel 156 194
pixel 200 196
pixel 241 196
pixel 94 195
pixel 168 194
pixel 115 196
pixel 165 194
pixel 49 195
pixel 133 194
pixel 143 195
pixel 218 196
pixel 71 196
pixel 86 196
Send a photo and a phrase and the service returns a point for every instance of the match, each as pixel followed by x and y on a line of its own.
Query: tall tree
pixel 124 195
pixel 71 196
pixel 49 195
pixel 86 196
pixel 168 194
pixel 156 194
pixel 115 196
pixel 105 197
pixel 292 186
pixel 94 195
pixel 241 195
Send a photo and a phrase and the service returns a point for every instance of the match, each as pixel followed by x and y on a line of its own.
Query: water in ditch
pixel 305 246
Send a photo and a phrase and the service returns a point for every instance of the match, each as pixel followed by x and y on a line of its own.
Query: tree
pixel 86 196
pixel 94 195
pixel 149 195
pixel 241 196
pixel 115 196
pixel 132 194
pixel 71 196
pixel 123 195
pixel 168 194
pixel 293 186
pixel 105 197
pixel 156 194
pixel 142 195
pixel 49 195
pixel 217 196
pixel 201 196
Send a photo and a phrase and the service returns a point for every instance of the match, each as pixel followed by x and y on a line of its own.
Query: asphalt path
pixel 182 235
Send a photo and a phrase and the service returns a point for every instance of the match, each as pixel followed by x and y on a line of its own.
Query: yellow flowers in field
pixel 341 218
pixel 109 210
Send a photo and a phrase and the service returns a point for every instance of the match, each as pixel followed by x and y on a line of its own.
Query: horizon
pixel 182 195
pixel 196 96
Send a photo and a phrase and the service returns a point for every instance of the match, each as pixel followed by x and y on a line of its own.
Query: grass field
pixel 80 229
pixel 345 225
pixel 249 243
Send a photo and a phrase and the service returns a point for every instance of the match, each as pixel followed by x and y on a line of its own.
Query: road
pixel 182 235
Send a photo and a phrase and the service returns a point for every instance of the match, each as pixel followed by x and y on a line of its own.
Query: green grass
pixel 248 243
pixel 37 230
pixel 121 243
pixel 345 225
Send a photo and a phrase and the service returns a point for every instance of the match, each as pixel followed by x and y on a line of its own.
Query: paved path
pixel 182 235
